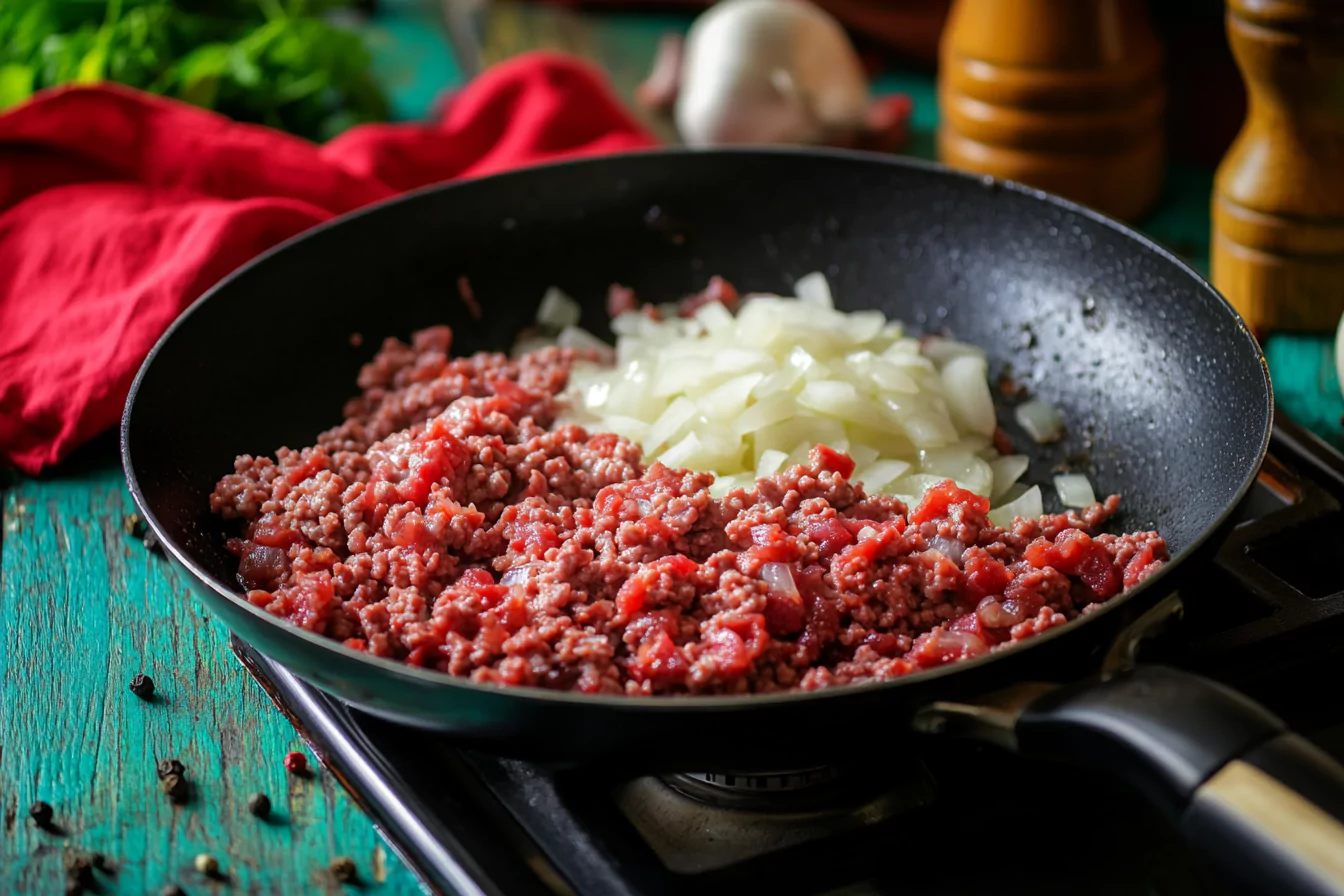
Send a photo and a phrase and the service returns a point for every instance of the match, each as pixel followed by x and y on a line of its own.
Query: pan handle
pixel 1260 806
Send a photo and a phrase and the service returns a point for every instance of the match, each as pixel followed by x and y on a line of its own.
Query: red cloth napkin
pixel 118 209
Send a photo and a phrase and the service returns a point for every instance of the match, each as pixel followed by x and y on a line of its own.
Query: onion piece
pixel 765 413
pixel 1075 490
pixel 716 319
pixel 940 350
pixel 879 474
pixel 519 575
pixel 967 470
pixel 625 427
pixel 779 577
pixel 725 484
pixel 678 455
pixel 669 423
pixel 861 454
pixel 952 550
pixel 575 337
pixel 737 361
pixel 729 399
pixel 771 462
pixel 1028 506
pixel 1041 421
pixel 558 311
pixel 836 398
pixel 1007 470
pixel 813 289
pixel 967 391
pixel 914 484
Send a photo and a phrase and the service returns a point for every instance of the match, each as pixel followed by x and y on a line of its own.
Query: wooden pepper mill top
pixel 1065 95
pixel 1277 249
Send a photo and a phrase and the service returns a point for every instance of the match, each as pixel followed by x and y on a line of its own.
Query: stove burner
pixel 700 822
pixel 742 790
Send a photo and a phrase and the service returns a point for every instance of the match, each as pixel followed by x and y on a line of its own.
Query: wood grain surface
pixel 85 606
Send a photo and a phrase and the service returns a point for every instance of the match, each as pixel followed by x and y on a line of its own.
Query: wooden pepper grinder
pixel 1065 95
pixel 1277 248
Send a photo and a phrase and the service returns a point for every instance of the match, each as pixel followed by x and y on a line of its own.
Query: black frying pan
pixel 1161 383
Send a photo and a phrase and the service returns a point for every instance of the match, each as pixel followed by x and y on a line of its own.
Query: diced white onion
pixel 1041 421
pixel 575 337
pixel 1075 490
pixel 725 484
pixel 952 550
pixel 679 454
pixel 879 474
pixel 1007 470
pixel 716 319
pixel 968 394
pixel 669 423
pixel 771 462
pixel 941 351
pixel 1028 506
pixel 747 395
pixel 779 577
pixel 812 289
pixel 558 311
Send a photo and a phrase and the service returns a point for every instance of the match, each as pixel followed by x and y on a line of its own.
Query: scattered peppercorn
pixel 343 869
pixel 175 786
pixel 296 762
pixel 168 767
pixel 40 813
pixel 78 867
pixel 172 890
pixel 142 686
pixel 207 864
pixel 100 862
pixel 259 804
pixel 152 543
pixel 73 887
pixel 134 526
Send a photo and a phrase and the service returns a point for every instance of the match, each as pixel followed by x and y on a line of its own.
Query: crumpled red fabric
pixel 118 209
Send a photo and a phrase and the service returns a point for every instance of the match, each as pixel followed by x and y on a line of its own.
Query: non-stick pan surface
pixel 1164 391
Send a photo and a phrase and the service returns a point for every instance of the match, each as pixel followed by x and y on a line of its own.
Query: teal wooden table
pixel 86 607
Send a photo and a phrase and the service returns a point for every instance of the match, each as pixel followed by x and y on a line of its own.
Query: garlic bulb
pixel 768 71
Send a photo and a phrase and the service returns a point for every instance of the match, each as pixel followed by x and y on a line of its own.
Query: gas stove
pixel 944 817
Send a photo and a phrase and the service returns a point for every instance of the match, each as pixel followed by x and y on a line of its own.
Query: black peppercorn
pixel 100 862
pixel 73 887
pixel 172 890
pixel 78 867
pixel 259 804
pixel 142 686
pixel 176 787
pixel 343 869
pixel 40 813
pixel 168 767
pixel 207 864
pixel 152 543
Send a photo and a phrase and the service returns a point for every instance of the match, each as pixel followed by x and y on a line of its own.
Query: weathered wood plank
pixel 85 608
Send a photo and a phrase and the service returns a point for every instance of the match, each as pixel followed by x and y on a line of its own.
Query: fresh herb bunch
pixel 276 62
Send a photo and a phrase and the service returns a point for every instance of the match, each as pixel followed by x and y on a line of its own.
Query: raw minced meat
pixel 450 524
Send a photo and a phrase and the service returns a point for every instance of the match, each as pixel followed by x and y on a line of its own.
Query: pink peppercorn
pixel 296 762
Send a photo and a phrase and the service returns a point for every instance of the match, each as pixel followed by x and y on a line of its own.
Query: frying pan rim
pixel 688 703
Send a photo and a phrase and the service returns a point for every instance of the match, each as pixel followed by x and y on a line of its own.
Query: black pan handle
pixel 1261 807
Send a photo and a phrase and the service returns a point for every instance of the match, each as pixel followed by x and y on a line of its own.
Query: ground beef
pixel 448 523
